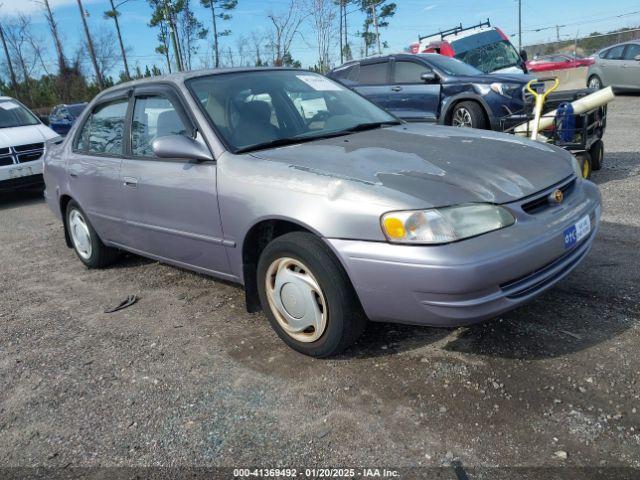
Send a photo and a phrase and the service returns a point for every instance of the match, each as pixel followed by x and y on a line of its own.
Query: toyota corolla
pixel 328 210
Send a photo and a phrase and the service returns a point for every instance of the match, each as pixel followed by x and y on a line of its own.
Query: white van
pixel 22 144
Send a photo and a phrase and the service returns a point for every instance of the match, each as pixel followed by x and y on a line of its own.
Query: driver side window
pixel 153 117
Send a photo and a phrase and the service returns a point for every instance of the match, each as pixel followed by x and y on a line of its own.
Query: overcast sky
pixel 413 17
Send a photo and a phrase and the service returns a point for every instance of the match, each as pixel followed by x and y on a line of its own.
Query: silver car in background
pixel 617 66
pixel 328 210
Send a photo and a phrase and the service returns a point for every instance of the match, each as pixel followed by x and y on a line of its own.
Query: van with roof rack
pixel 482 46
pixel 22 144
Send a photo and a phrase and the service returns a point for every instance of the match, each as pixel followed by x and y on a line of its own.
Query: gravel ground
pixel 187 377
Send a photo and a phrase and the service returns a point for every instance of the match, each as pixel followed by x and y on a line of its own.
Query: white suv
pixel 22 144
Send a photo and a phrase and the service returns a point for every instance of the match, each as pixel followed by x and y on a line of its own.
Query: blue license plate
pixel 577 232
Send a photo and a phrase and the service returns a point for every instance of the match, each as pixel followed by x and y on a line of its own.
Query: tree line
pixel 185 41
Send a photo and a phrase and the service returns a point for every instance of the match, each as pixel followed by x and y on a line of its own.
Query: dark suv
pixel 436 88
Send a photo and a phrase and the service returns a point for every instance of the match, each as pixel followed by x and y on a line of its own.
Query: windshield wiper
pixel 281 142
pixel 361 127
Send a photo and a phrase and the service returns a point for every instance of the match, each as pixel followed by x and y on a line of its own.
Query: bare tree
pixel 191 30
pixel 53 26
pixel 242 49
pixel 257 40
pixel 105 51
pixel 83 15
pixel 322 20
pixel 286 26
pixel 114 13
pixel 12 73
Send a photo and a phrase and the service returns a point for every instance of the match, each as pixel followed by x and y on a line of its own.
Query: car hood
pixel 437 165
pixel 13 136
pixel 492 78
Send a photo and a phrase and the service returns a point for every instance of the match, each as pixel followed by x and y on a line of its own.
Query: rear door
pixel 410 97
pixel 94 166
pixel 373 81
pixel 631 66
pixel 172 204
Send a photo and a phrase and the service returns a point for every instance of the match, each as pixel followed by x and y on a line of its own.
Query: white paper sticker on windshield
pixel 319 83
pixel 8 105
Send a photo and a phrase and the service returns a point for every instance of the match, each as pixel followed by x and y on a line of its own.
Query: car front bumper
pixel 20 175
pixel 475 279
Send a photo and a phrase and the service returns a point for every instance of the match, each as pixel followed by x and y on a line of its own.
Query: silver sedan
pixel 617 66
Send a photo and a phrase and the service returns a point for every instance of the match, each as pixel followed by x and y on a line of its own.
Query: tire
pixel 584 160
pixel 468 114
pixel 333 307
pixel 597 154
pixel 594 82
pixel 86 243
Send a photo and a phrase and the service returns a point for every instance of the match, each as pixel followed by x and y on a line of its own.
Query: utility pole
pixel 124 55
pixel 341 38
pixel 558 33
pixel 375 24
pixel 519 26
pixel 92 52
pixel 346 34
pixel 12 74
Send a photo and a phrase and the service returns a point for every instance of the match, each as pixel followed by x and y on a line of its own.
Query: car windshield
pixel 487 51
pixel 258 109
pixel 450 66
pixel 12 114
pixel 77 109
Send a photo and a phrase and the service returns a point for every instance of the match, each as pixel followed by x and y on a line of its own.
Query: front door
pixel 631 67
pixel 612 66
pixel 172 204
pixel 411 97
pixel 94 167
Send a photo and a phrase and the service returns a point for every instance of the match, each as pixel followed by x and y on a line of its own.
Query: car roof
pixel 180 77
pixel 386 56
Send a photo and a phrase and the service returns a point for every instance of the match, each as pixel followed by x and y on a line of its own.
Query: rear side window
pixel 632 51
pixel 409 72
pixel 373 74
pixel 153 117
pixel 103 132
pixel 615 53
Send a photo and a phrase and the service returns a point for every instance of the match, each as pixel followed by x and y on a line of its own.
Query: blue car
pixel 435 88
pixel 63 117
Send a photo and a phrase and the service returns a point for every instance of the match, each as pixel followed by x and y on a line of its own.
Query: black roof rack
pixel 454 30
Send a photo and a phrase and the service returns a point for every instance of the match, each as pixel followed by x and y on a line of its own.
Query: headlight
pixel 504 89
pixel 444 225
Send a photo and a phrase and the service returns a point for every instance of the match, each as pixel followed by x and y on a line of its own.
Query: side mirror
pixel 524 55
pixel 429 77
pixel 180 146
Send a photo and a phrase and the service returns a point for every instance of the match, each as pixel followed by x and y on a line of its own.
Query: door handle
pixel 130 182
pixel 396 89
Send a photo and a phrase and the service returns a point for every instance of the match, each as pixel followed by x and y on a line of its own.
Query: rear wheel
pixel 597 154
pixel 86 243
pixel 468 114
pixel 584 160
pixel 594 82
pixel 307 295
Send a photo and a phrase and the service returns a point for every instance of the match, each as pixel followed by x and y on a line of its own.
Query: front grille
pixel 541 201
pixel 21 153
pixel 29 157
pixel 28 147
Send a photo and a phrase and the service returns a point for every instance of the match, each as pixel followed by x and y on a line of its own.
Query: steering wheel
pixel 322 115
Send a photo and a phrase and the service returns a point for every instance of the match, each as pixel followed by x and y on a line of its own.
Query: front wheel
pixel 468 114
pixel 86 243
pixel 307 296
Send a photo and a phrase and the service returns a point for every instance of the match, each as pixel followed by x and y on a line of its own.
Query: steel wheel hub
pixel 80 234
pixel 296 299
pixel 462 118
